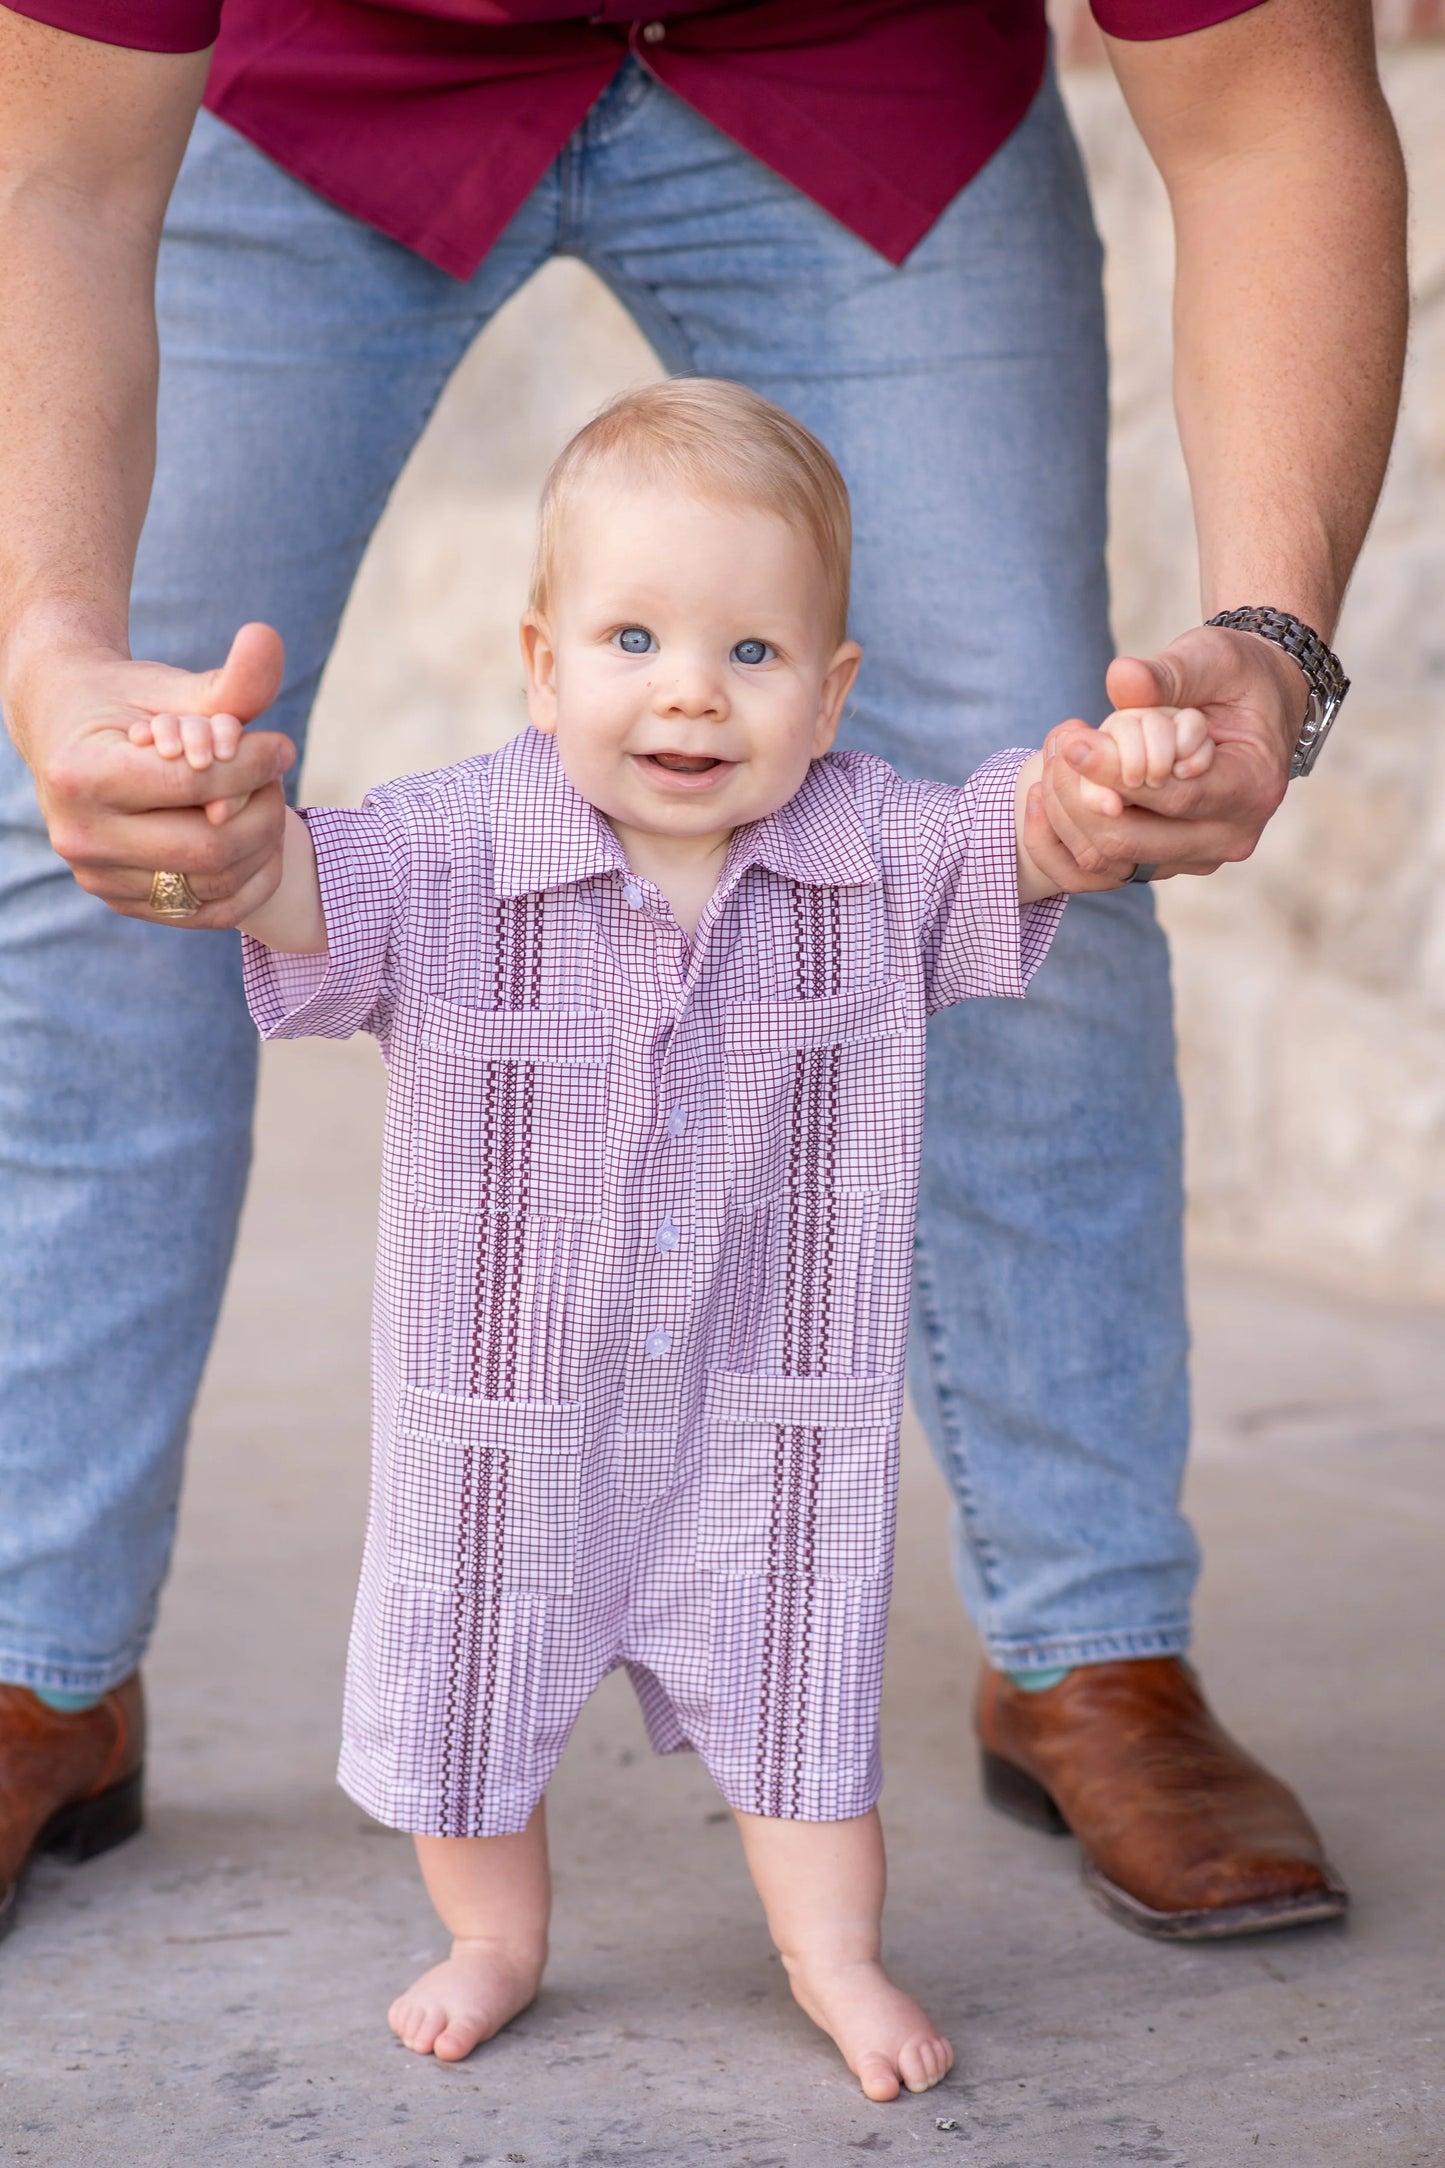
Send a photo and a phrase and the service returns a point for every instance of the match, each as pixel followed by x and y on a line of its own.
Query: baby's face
pixel 686 663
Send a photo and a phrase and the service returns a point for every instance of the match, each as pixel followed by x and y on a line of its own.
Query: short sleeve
pixel 362 860
pixel 1147 19
pixel 977 938
pixel 145 26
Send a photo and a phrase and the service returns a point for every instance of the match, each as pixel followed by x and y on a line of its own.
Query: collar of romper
pixel 546 835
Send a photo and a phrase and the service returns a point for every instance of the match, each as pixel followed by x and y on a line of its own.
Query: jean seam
pixel 474 323
pixel 953 1438
pixel 1065 1650
pixel 569 205
pixel 300 732
pixel 656 322
pixel 59 1678
pixel 627 90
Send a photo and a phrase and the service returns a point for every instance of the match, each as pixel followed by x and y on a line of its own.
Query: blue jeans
pixel 964 395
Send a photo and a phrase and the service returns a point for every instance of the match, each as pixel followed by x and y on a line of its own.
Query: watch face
pixel 1319 715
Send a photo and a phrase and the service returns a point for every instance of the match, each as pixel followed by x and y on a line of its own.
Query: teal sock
pixel 67 1704
pixel 1037 1682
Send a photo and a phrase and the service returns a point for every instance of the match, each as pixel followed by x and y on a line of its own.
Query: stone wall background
pixel 1312 980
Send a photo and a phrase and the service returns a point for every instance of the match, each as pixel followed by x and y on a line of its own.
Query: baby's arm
pixel 1151 745
pixel 291 918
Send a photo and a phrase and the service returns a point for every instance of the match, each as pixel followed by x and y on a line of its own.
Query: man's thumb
pixel 249 678
pixel 1142 681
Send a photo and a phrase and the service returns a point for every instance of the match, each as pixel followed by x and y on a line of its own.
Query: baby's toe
pixel 415 2024
pixel 457 2040
pixel 877 2077
pixel 924 2062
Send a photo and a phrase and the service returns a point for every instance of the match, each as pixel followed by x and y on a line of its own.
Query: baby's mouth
pixel 684 763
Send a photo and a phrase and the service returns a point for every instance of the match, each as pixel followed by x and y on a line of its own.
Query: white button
pixel 653 33
pixel 677 1121
pixel 666 1237
pixel 632 894
pixel 658 1341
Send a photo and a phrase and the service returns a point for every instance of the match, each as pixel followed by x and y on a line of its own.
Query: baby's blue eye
pixel 635 640
pixel 751 651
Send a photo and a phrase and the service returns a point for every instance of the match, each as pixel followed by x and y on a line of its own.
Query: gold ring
pixel 172 896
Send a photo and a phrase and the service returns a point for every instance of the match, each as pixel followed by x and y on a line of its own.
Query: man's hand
pixel 91 137
pixel 1253 699
pixel 1286 185
pixel 116 813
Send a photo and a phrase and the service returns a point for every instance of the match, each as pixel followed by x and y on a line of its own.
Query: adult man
pixel 874 214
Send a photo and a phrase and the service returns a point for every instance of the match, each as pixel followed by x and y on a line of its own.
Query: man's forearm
pixel 1288 195
pixel 1290 306
pixel 81 201
pixel 77 430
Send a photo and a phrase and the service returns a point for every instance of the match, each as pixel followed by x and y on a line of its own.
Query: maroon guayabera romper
pixel 643 1265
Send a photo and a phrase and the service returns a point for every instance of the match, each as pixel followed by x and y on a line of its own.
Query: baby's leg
pixel 822 1889
pixel 494 1895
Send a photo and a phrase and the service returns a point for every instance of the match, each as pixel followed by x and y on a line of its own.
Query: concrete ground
pixel 215 1992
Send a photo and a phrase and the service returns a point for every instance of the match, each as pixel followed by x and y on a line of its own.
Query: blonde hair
pixel 711 439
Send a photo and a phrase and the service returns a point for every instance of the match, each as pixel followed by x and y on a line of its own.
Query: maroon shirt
pixel 434 119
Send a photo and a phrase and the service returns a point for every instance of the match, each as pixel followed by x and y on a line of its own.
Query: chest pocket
pixel 508 1111
pixel 822 1095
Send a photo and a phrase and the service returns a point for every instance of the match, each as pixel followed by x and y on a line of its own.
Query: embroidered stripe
pixel 496 1461
pixel 785 1595
pixel 767 1685
pixel 460 1688
pixel 809 1586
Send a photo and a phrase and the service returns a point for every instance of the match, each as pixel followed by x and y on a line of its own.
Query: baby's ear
pixel 838 682
pixel 539 661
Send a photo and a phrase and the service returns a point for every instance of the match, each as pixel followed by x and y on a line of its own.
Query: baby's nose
pixel 697 691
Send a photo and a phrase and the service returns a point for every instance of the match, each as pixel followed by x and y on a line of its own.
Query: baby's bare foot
pixel 885 2038
pixel 457 2005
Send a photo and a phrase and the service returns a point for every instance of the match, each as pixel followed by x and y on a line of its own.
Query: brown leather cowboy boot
pixel 1184 1835
pixel 70 1781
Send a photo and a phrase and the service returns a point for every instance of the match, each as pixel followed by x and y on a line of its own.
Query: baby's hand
pixel 196 739
pixel 1152 746
pixel 199 740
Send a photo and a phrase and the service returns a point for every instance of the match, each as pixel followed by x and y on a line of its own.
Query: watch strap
pixel 1321 666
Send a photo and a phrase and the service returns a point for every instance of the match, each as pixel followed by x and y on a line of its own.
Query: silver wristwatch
pixel 1321 666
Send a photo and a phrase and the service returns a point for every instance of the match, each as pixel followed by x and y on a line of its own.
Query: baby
pixel 651 984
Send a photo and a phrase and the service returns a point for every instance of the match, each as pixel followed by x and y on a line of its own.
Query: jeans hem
pixel 67 1678
pixel 1067 1650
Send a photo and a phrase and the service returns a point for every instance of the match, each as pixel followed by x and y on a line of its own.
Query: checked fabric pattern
pixel 643 1264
